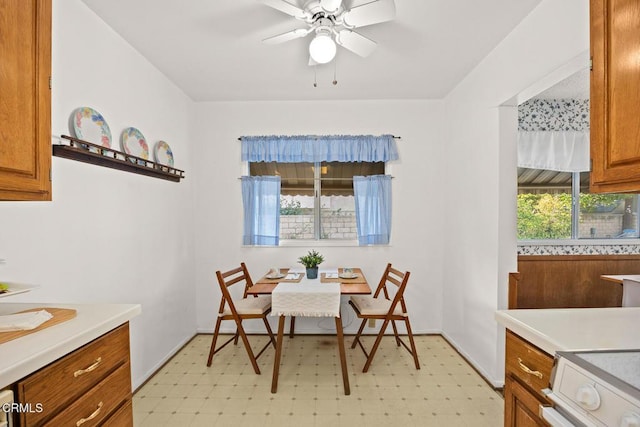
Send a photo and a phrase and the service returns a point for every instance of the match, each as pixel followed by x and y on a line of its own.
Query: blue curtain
pixel 261 201
pixel 311 148
pixel 373 209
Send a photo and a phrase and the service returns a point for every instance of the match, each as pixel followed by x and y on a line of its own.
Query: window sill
pixel 316 243
pixel 319 243
pixel 579 242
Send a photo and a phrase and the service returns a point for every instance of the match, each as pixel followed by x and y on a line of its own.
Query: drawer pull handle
pixel 79 372
pixel 528 370
pixel 90 417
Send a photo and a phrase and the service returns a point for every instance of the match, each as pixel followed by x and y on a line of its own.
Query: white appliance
pixel 595 389
pixel 6 400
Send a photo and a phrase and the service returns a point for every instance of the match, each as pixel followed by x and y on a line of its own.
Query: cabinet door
pixel 521 407
pixel 615 104
pixel 25 100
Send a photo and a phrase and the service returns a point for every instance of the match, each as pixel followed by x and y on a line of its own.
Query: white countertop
pixel 575 328
pixel 22 356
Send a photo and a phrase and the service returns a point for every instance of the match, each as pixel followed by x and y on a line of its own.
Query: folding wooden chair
pixel 385 309
pixel 247 308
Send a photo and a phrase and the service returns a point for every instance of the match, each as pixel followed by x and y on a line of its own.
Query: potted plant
pixel 311 261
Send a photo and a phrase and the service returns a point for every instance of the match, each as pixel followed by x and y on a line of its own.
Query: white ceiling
pixel 212 49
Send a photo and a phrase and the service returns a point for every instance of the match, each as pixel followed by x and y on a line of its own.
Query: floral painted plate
pixel 163 154
pixel 134 143
pixel 89 125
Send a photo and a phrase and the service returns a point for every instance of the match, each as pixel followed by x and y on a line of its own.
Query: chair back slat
pixel 232 272
pixel 395 271
pixel 229 278
pixel 395 281
pixel 237 275
pixel 394 276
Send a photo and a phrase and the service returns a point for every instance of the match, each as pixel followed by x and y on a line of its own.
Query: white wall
pixel 110 236
pixel 418 195
pixel 481 249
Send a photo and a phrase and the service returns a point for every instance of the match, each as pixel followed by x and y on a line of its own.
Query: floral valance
pixel 314 148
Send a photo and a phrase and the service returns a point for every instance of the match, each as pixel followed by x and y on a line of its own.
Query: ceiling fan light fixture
pixel 322 48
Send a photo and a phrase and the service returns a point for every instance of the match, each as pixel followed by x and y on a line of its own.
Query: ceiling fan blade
pixel 370 13
pixel 286 7
pixel 330 5
pixel 356 43
pixel 285 37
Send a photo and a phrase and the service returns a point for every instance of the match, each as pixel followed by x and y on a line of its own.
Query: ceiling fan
pixel 332 22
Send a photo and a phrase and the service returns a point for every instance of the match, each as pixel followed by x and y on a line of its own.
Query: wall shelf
pixel 94 154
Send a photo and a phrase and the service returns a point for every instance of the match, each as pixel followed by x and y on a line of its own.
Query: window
pixel 317 199
pixel 558 205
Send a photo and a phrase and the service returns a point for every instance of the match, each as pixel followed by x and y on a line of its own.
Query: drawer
pixel 98 403
pixel 528 363
pixel 122 418
pixel 63 381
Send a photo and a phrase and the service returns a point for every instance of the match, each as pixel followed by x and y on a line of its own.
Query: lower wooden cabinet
pixel 527 372
pixel 90 386
pixel 520 405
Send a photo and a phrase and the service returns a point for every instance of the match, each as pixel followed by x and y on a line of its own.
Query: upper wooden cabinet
pixel 25 100
pixel 615 96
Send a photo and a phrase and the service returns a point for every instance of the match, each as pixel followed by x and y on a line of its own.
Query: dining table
pixel 294 294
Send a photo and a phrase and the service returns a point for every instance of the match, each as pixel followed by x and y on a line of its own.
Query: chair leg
pixel 292 326
pixel 213 341
pixel 247 346
pixel 395 332
pixel 276 361
pixel 413 344
pixel 357 338
pixel 269 331
pixel 375 345
pixel 343 357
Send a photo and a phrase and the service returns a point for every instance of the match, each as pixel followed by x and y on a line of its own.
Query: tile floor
pixel 446 391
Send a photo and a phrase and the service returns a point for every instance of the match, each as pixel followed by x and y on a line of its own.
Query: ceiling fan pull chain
pixel 335 68
pixel 315 76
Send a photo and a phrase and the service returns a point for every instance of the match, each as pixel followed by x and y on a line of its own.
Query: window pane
pixel 297 219
pixel 544 204
pixel 336 204
pixel 297 178
pixel 338 217
pixel 337 177
pixel 606 216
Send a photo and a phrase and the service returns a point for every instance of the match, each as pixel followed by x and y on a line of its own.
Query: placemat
pixel 358 279
pixel 265 279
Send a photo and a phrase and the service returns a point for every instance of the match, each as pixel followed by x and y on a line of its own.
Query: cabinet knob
pixel 630 419
pixel 587 396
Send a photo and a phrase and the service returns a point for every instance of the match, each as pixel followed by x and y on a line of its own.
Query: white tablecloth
pixel 309 298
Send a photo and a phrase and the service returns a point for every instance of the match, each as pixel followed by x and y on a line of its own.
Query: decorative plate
pixel 275 276
pixel 163 154
pixel 89 125
pixel 348 276
pixel 134 143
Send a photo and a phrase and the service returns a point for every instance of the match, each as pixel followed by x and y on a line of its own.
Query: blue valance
pixel 314 148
